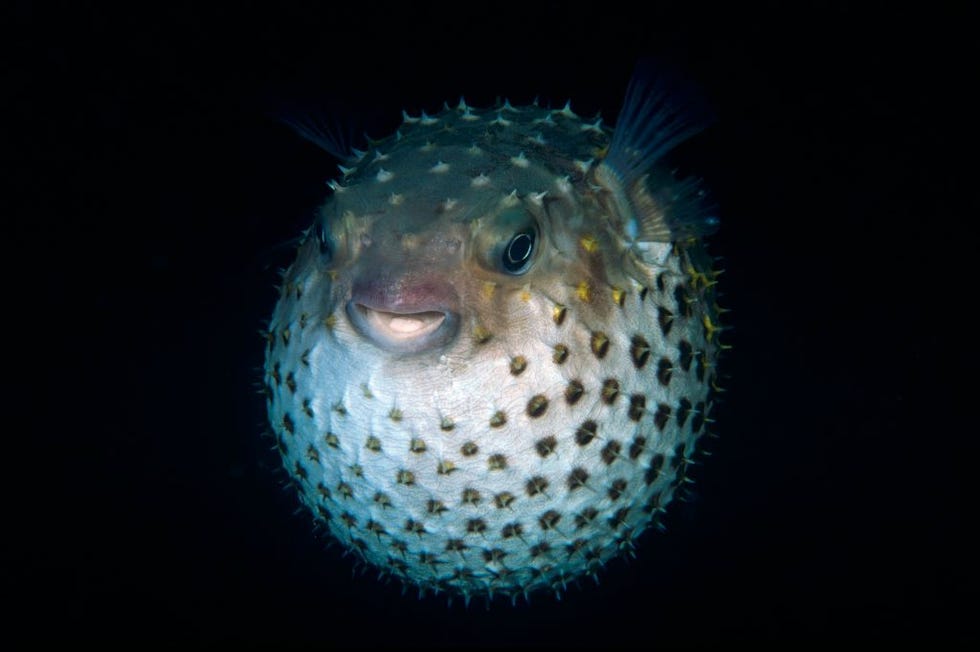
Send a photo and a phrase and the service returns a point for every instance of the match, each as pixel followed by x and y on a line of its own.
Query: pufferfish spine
pixel 493 358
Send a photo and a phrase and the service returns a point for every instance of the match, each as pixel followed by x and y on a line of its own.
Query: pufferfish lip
pixel 403 331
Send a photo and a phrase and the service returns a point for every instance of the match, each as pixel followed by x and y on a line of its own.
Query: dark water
pixel 157 189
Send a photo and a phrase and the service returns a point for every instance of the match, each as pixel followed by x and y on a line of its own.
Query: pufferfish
pixel 494 356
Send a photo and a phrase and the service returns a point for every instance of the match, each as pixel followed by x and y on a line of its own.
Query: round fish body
pixel 488 369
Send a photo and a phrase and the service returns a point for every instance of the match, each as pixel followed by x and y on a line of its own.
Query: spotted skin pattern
pixel 536 436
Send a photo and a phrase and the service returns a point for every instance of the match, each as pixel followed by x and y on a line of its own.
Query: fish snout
pixel 405 314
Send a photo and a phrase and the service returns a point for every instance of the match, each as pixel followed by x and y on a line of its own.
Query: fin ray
pixel 660 111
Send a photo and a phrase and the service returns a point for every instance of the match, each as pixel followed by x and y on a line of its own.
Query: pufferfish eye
pixel 516 258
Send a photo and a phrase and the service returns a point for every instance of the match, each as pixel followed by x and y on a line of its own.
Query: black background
pixel 155 196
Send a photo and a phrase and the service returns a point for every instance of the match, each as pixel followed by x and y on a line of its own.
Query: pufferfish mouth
pixel 403 330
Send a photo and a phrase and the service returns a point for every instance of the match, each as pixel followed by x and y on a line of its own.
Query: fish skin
pixel 551 414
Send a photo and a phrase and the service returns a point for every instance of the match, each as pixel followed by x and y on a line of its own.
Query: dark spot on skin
pixel 541 548
pixel 299 471
pixel 512 530
pixel 414 527
pixel 481 335
pixel 332 440
pixel 471 497
pixel 683 411
pixel 577 478
pixel 494 556
pixel 618 519
pixel 382 499
pixel 497 462
pixel 699 368
pixel 665 319
pixel 546 446
pixel 446 425
pixel 593 557
pixel 585 517
pixel 469 449
pixel 305 358
pixel 662 415
pixel 373 444
pixel 375 528
pixel 574 391
pixel 574 547
pixel 288 424
pixel 345 490
pixel 653 471
pixel 653 504
pixel 359 546
pixel 498 419
pixel 349 519
pixel 639 351
pixel 678 459
pixel 428 559
pixel 291 382
pixel 586 433
pixel 686 355
pixel 276 376
pixel 664 369
pixel 406 478
pixel 619 296
pixel 549 520
pixel 537 406
pixel 398 546
pixel 616 489
pixel 560 354
pixel 536 485
pixel 610 452
pixel 435 507
pixel 285 337
pixel 610 391
pixel 416 446
pixel 323 491
pixel 445 467
pixel 517 365
pixel 282 446
pixel 697 422
pixel 558 314
pixel 503 499
pixel 638 404
pixel 312 454
pixel 599 343
pixel 308 407
pixel 324 513
pixel 637 446
pixel 684 302
pixel 455 545
pixel 476 526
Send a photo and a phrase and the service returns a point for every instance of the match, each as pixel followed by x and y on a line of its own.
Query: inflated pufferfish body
pixel 491 361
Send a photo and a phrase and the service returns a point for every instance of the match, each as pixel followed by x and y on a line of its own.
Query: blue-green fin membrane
pixel 661 110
